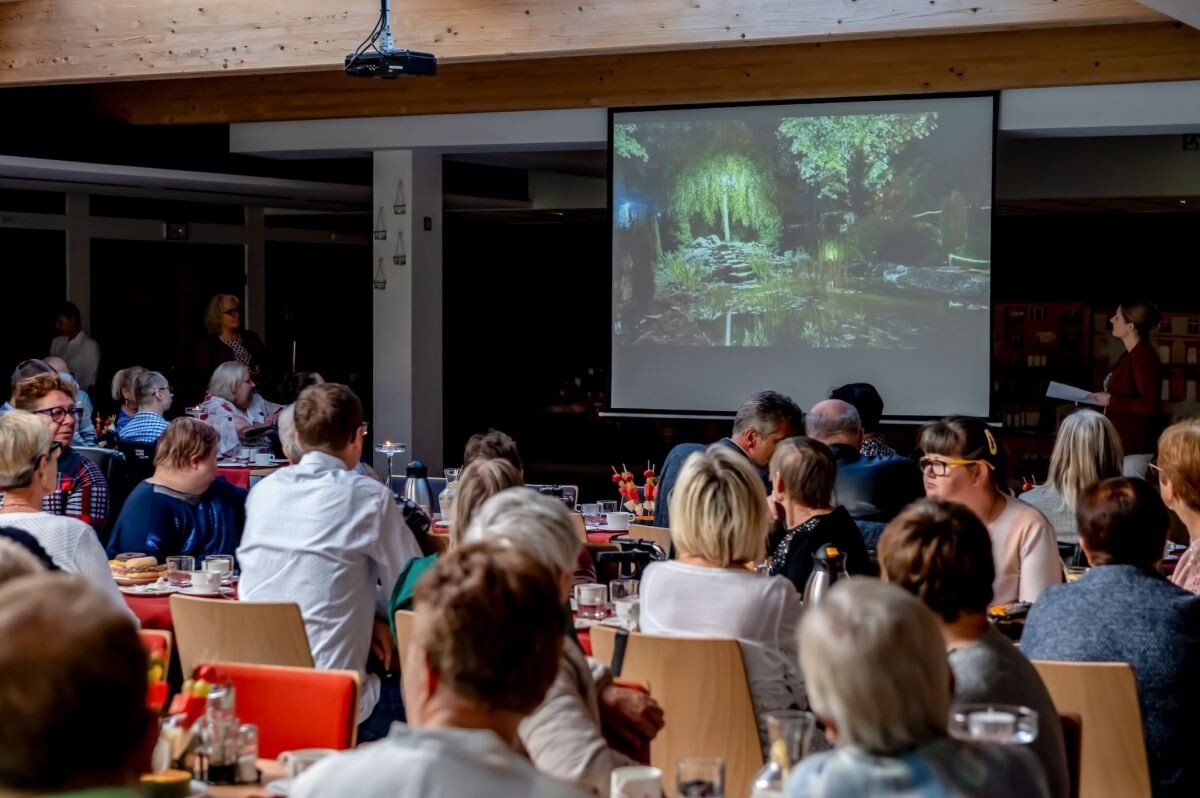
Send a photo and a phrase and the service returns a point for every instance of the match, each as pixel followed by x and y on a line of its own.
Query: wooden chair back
pixel 217 630
pixel 580 527
pixel 404 628
pixel 659 534
pixel 1072 727
pixel 702 687
pixel 1112 761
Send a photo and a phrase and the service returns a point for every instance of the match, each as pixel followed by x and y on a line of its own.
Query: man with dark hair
pixel 492 445
pixel 941 552
pixel 321 535
pixel 85 431
pixel 24 369
pixel 761 422
pixel 72 691
pixel 872 489
pixel 73 345
pixel 1124 610
pixel 484 650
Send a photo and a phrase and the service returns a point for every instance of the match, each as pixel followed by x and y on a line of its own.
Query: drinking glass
pixel 606 506
pixel 590 601
pixel 994 723
pixel 790 732
pixel 622 588
pixel 700 777
pixel 591 513
pixel 179 570
pixel 222 563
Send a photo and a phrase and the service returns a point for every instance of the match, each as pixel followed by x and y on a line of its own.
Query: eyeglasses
pixel 166 388
pixel 1157 469
pixel 57 414
pixel 55 446
pixel 940 468
pixel 232 312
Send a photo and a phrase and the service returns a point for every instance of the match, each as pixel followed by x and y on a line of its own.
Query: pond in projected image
pixel 778 226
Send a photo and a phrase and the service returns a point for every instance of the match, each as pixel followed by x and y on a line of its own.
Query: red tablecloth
pixel 154 612
pixel 601 535
pixel 236 475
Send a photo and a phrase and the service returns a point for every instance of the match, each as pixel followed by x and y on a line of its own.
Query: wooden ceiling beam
pixel 1186 11
pixel 912 65
pixel 83 41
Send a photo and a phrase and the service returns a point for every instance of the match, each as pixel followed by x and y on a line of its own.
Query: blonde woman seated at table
pixel 719 522
pixel 232 406
pixel 125 395
pixel 963 463
pixel 28 473
pixel 563 735
pixel 877 676
pixel 1086 451
pixel 1178 471
pixel 940 552
pixel 483 652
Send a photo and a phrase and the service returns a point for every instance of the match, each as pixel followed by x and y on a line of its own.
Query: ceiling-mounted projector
pixel 377 58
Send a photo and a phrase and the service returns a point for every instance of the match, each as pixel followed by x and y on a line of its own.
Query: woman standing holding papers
pixel 1132 391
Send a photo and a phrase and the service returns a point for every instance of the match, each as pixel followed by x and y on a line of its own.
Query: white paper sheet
pixel 1069 393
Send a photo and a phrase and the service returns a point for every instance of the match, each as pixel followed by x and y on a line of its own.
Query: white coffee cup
pixel 628 611
pixel 262 458
pixel 618 520
pixel 206 581
pixel 636 781
pixel 300 760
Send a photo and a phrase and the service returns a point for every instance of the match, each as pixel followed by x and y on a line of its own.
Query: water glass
pixel 590 601
pixel 221 563
pixel 179 570
pixel 700 777
pixel 622 589
pixel 606 506
pixel 994 723
pixel 591 513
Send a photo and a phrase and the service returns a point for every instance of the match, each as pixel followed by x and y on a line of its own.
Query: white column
pixel 393 308
pixel 408 312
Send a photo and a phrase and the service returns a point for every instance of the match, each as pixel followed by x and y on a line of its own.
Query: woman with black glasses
pixel 29 474
pixel 963 463
pixel 228 340
pixel 81 491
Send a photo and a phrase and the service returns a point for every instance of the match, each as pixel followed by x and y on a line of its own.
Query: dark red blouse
pixel 1135 404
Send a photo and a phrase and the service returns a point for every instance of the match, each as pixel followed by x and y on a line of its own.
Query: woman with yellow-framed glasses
pixel 963 463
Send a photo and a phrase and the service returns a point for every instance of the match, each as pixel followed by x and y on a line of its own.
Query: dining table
pixel 246 475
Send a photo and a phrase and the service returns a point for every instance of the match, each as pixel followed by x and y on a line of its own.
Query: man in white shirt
pixel 73 345
pixel 468 686
pixel 334 542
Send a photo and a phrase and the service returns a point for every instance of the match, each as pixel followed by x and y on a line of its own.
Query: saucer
pixel 192 590
pixel 278 787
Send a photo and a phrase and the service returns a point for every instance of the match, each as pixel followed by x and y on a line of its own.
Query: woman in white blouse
pixel 28 473
pixel 719 521
pixel 232 406
pixel 963 463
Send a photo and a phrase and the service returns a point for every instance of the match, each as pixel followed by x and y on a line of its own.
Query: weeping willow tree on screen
pixel 851 158
pixel 724 190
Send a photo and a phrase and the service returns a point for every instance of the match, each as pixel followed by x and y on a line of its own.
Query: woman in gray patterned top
pixel 940 552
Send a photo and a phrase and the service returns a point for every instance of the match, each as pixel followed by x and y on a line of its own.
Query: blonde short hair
pixel 478 482
pixel 212 314
pixel 226 378
pixel 522 518
pixel 1088 450
pixel 16 560
pixel 719 508
pixel 24 440
pixel 874 663
pixel 184 441
pixel 1179 460
pixel 124 379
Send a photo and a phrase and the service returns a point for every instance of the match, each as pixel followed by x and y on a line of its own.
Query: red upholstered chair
pixel 295 707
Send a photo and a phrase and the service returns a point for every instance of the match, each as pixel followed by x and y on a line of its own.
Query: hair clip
pixel 991 442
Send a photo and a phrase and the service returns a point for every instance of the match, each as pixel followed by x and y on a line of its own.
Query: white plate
pixel 152 589
pixel 197 789
pixel 231 464
pixel 193 591
pixel 278 787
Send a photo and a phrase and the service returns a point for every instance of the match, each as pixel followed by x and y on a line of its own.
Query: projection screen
pixel 803 246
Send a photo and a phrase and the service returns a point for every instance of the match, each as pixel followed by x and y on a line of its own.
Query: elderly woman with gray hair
pixel 875 666
pixel 563 735
pixel 232 406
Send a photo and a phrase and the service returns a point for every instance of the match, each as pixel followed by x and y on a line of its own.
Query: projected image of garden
pixel 757 228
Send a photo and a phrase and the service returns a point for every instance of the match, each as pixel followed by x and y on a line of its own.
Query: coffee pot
pixel 829 565
pixel 417 487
